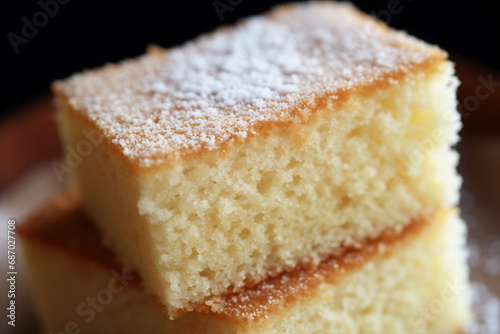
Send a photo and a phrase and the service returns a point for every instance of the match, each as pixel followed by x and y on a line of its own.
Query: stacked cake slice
pixel 408 282
pixel 294 171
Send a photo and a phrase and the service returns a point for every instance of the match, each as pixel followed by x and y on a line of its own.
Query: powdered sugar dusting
pixel 486 311
pixel 225 85
pixel 484 259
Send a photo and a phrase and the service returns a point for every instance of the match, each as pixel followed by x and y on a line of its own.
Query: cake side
pixel 261 76
pixel 388 286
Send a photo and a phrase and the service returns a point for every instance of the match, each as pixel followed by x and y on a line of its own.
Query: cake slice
pixel 409 282
pixel 258 148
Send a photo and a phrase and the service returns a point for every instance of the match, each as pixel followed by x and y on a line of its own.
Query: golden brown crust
pixel 64 225
pixel 382 57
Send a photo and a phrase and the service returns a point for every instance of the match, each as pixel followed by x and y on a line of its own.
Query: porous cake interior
pixel 232 217
pixel 412 283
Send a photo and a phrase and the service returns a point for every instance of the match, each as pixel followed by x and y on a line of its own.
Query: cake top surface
pixel 228 85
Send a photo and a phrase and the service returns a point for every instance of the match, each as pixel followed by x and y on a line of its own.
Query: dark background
pixel 86 34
